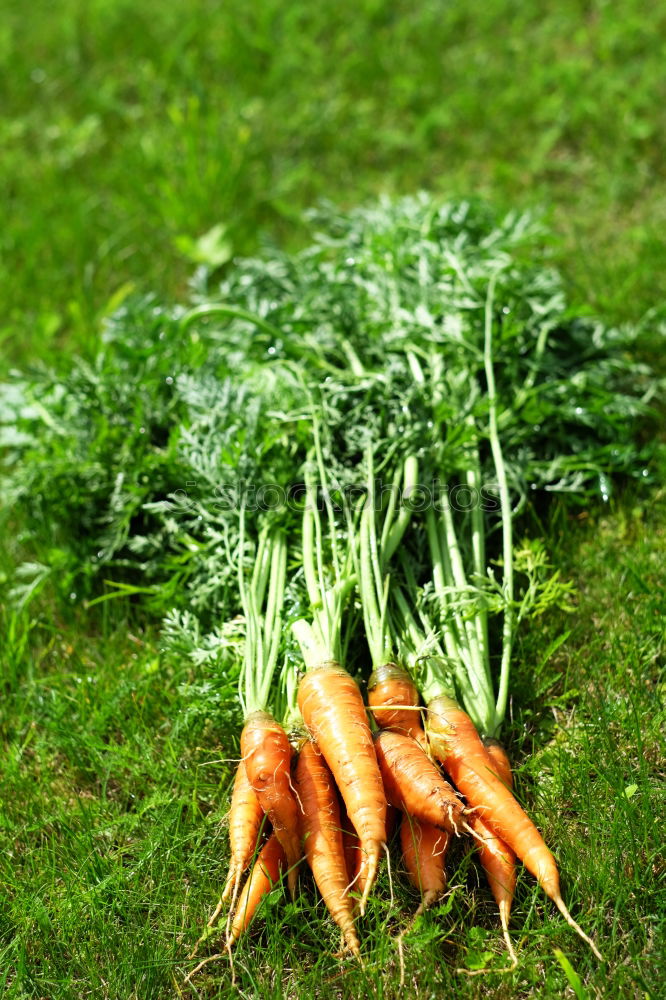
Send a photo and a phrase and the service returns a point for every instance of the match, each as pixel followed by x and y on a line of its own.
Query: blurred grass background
pixel 128 131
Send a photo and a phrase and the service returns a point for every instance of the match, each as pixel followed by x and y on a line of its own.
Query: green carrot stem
pixel 479 666
pixel 506 513
pixel 393 532
pixel 263 631
pixel 473 478
pixel 441 575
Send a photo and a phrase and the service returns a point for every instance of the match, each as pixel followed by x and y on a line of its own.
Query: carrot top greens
pixel 261 597
pixel 415 351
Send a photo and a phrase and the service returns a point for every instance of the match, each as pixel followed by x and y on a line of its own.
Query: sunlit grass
pixel 129 128
pixel 115 776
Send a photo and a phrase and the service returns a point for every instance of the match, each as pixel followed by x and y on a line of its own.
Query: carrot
pixel 502 882
pixel 321 837
pixel 354 856
pixel 412 782
pixel 424 850
pixel 456 743
pixel 391 685
pixel 497 858
pixel 264 875
pixel 499 863
pixel 333 711
pixel 245 817
pixel 267 757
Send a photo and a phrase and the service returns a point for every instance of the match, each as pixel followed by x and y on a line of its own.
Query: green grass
pixel 128 131
pixel 130 126
pixel 115 780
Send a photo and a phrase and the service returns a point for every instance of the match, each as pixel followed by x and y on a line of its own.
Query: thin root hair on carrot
pixel 390 874
pixel 472 832
pixel 206 961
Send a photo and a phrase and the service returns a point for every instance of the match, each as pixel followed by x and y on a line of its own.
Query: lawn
pixel 128 132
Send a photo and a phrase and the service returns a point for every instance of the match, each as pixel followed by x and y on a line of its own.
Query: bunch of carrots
pixel 329 782
pixel 332 798
pixel 439 380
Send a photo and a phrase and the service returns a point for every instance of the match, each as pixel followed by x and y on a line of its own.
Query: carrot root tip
pixel 507 938
pixel 372 866
pixel 232 879
pixel 352 944
pixel 429 899
pixel 390 874
pixel 561 905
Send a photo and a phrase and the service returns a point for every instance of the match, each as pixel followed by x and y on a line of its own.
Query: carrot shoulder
pixel 394 701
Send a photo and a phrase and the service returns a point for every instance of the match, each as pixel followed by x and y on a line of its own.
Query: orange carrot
pixel 455 741
pixel 264 875
pixel 245 816
pixel 390 685
pixel 354 856
pixel 333 711
pixel 412 782
pixel 499 864
pixel 497 859
pixel 457 744
pixel 321 837
pixel 424 850
pixel 267 757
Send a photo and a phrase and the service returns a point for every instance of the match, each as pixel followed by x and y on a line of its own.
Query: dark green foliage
pixel 133 465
